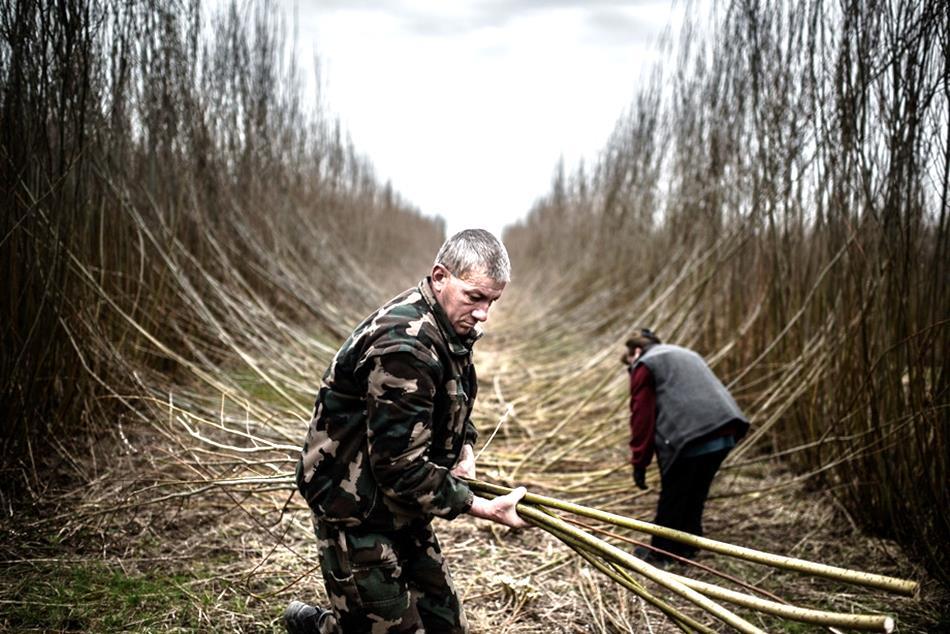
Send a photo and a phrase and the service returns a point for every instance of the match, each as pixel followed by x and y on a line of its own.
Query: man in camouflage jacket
pixel 391 434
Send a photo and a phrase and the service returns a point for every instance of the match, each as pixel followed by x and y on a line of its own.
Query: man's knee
pixel 365 583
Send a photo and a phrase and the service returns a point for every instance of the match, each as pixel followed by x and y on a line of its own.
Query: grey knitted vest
pixel 690 401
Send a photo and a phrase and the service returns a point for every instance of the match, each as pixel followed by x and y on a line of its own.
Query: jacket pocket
pixel 339 486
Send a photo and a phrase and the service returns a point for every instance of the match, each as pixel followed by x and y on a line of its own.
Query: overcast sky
pixel 467 106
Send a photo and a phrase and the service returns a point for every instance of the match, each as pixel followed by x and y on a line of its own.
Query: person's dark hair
pixel 475 249
pixel 643 339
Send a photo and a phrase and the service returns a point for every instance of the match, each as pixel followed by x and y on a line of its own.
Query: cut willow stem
pixel 695 564
pixel 623 577
pixel 871 622
pixel 612 553
pixel 892 584
pixel 618 575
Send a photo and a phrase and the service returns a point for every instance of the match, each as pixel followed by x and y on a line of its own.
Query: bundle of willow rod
pixel 618 565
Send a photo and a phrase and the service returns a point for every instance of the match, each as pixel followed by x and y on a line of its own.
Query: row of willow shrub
pixel 153 158
pixel 802 146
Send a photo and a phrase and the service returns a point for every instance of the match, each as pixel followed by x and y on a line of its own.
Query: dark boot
pixel 300 618
pixel 655 559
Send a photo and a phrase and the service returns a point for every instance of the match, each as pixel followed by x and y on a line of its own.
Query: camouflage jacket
pixel 390 420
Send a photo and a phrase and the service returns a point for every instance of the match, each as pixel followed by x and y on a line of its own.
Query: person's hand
pixel 501 509
pixel 465 468
pixel 640 478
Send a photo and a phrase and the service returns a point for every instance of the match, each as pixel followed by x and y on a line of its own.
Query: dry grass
pixel 231 556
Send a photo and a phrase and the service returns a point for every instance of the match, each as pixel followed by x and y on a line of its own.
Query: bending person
pixel 682 413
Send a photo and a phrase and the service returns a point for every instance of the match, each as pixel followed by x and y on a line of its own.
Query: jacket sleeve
pixel 400 393
pixel 642 416
pixel 471 434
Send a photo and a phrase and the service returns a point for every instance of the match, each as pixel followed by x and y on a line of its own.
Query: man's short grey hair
pixel 475 250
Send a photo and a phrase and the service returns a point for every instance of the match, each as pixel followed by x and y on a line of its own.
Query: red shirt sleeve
pixel 642 416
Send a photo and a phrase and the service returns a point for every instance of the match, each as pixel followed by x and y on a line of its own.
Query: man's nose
pixel 480 314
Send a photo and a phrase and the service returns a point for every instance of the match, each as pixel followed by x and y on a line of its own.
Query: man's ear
pixel 440 276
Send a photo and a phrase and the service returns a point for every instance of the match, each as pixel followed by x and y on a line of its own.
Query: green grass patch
pixel 90 596
pixel 256 389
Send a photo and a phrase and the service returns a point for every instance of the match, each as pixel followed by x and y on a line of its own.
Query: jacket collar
pixel 457 345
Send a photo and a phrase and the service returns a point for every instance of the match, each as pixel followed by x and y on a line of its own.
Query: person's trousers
pixel 683 492
pixel 387 582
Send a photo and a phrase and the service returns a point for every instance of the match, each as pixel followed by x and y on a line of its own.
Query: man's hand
pixel 640 478
pixel 501 509
pixel 466 464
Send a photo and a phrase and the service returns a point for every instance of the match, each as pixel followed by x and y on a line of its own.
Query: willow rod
pixel 623 577
pixel 590 548
pixel 870 622
pixel 892 584
pixel 627 560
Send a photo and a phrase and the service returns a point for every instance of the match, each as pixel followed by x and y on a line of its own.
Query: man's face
pixel 466 300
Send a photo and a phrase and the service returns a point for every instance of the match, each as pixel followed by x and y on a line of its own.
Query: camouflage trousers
pixel 387 582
